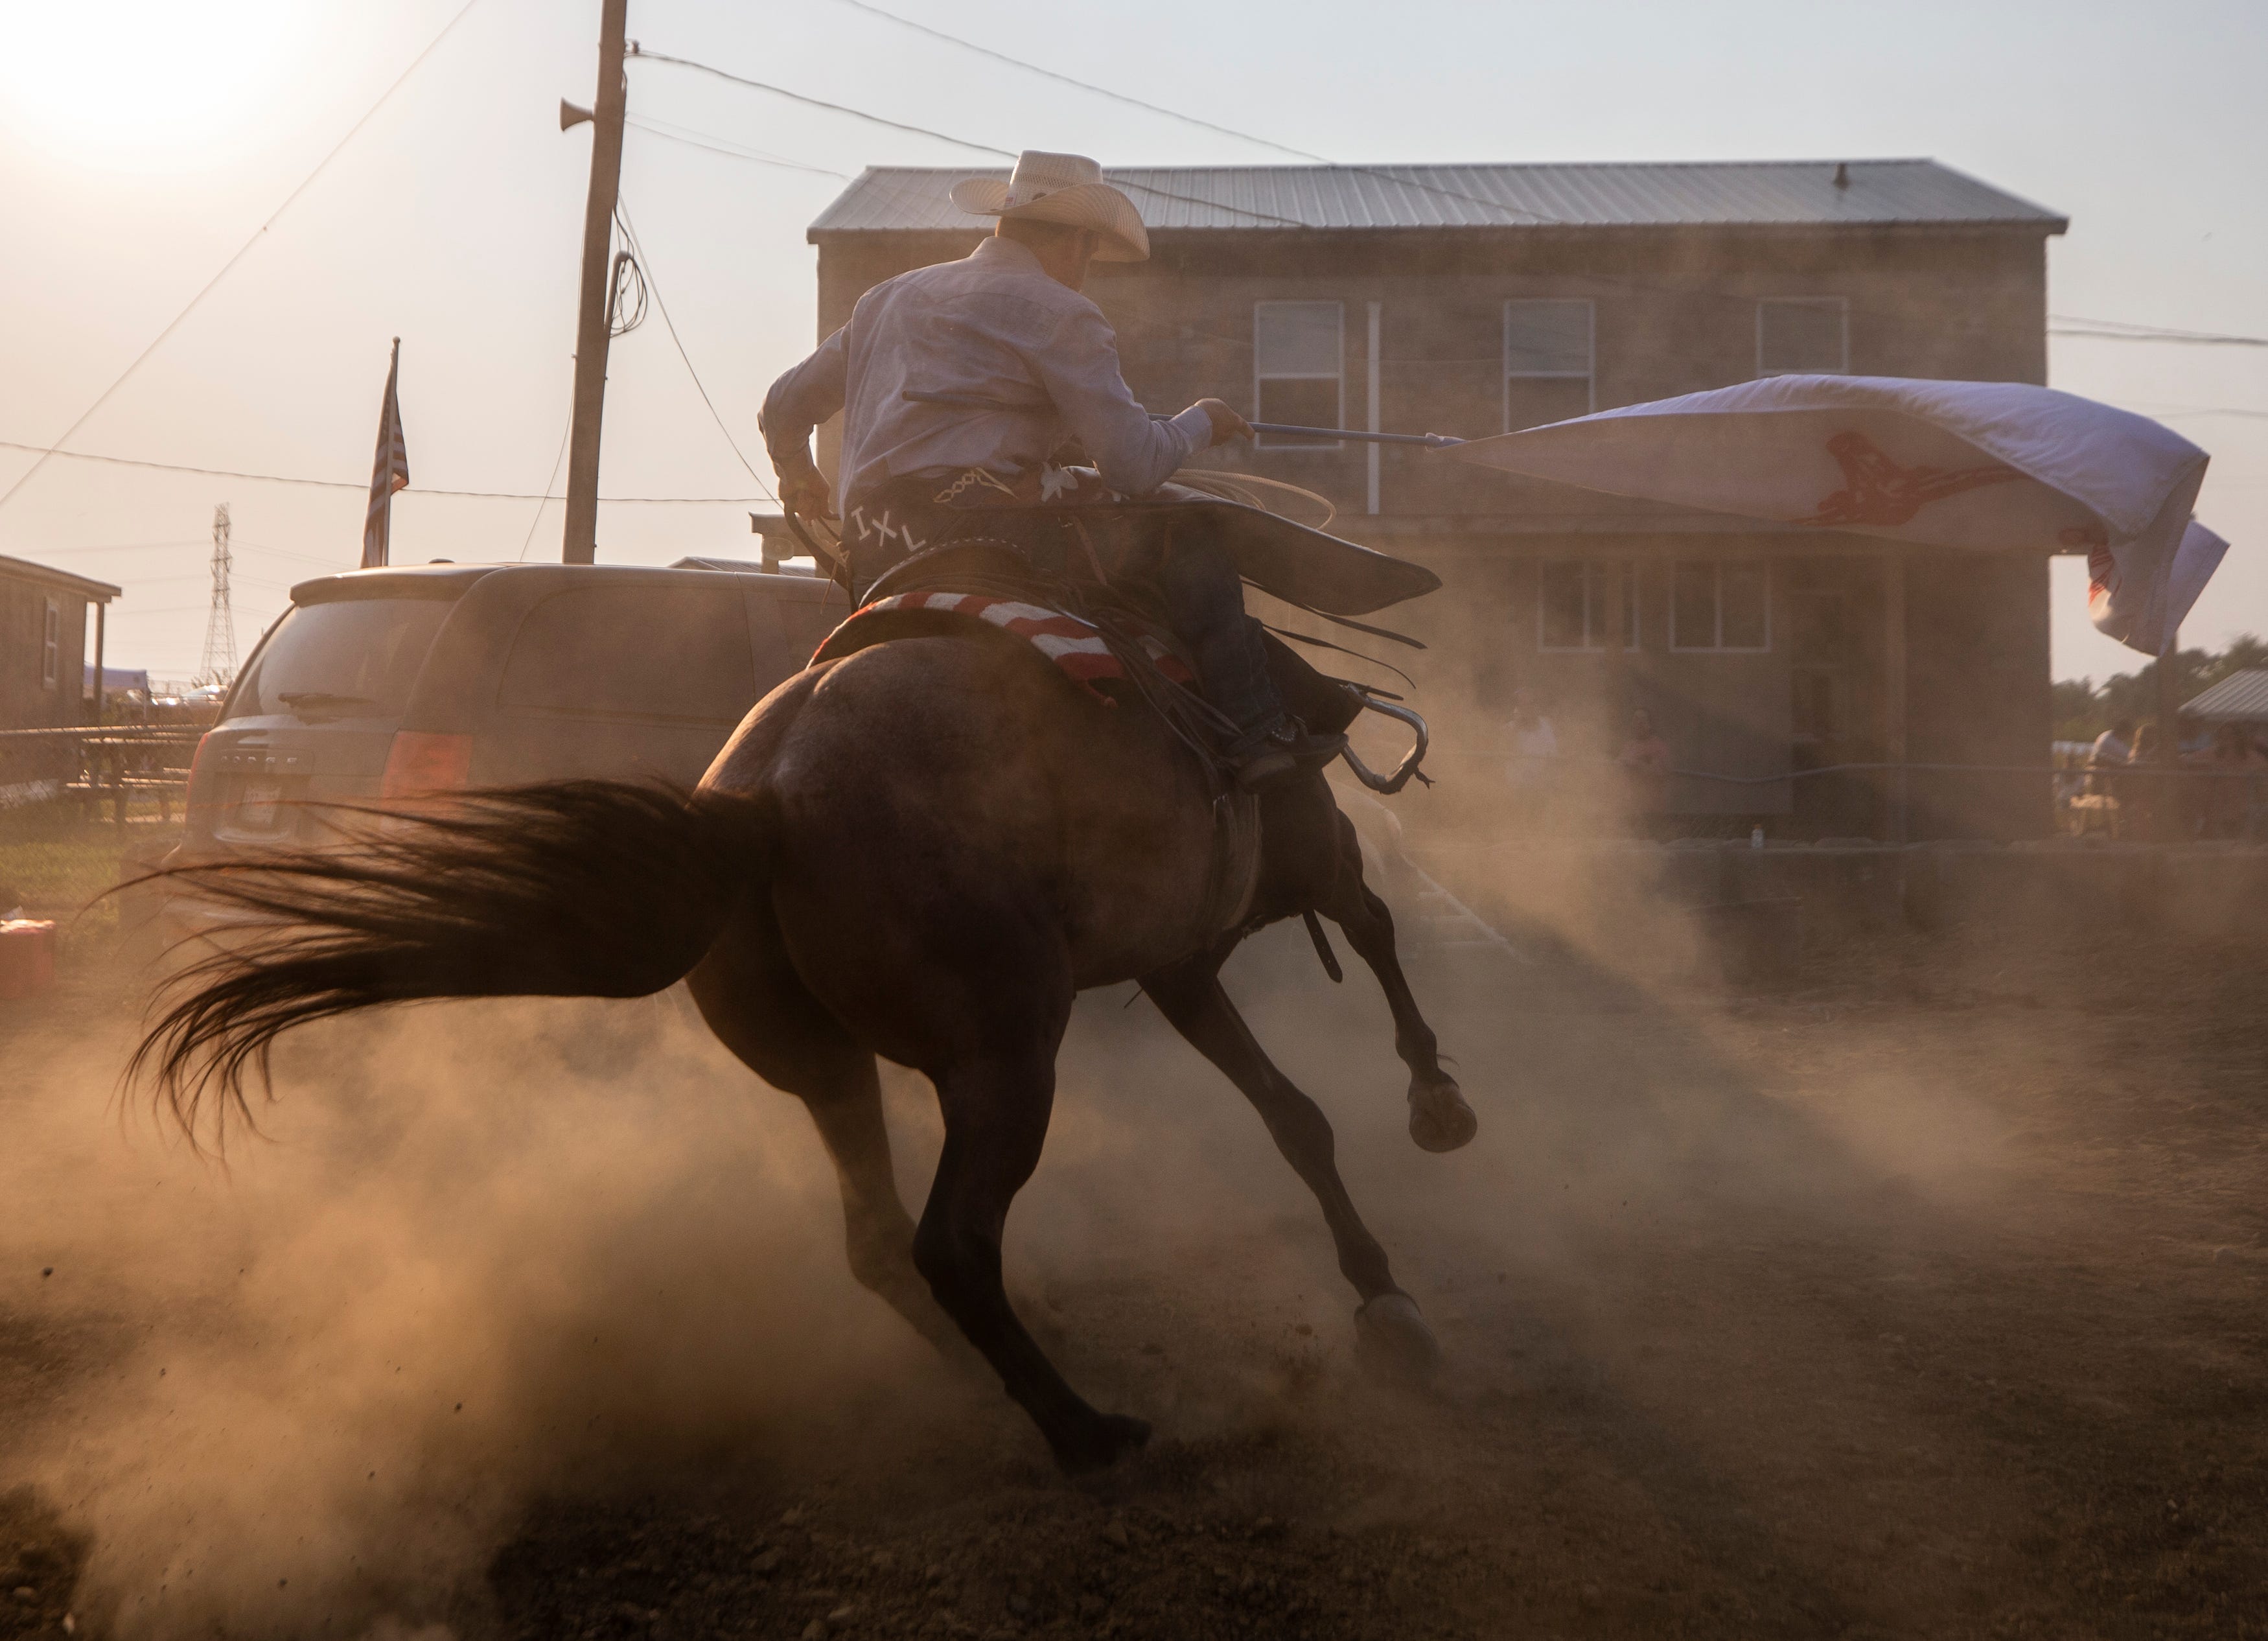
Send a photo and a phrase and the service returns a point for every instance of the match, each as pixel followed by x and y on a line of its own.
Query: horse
pixel 922 851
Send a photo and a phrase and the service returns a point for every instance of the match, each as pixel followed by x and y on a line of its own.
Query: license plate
pixel 256 805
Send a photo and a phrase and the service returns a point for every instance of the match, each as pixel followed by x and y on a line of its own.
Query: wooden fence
pixel 115 763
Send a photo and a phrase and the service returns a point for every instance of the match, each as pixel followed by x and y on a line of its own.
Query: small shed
pixel 43 644
pixel 2239 698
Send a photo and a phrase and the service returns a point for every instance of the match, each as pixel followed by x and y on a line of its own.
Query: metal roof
pixel 25 570
pixel 2239 698
pixel 1732 194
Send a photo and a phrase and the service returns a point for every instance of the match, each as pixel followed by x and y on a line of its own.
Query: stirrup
pixel 1388 784
pixel 1289 749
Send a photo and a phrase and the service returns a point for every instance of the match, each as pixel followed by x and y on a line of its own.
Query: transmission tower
pixel 219 664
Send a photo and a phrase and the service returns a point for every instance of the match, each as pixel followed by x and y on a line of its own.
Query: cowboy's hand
pixel 806 493
pixel 1226 423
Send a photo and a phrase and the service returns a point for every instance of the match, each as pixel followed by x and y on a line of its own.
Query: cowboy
pixel 958 382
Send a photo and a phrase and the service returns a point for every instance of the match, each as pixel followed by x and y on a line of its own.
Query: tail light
pixel 196 791
pixel 418 763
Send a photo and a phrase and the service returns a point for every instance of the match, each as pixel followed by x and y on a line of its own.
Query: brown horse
pixel 923 851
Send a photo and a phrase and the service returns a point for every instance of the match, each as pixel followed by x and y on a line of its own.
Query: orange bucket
pixel 27 957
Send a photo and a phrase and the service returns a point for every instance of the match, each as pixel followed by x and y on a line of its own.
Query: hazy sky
pixel 142 141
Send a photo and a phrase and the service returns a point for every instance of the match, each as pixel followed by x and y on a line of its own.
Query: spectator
pixel 1645 762
pixel 1532 770
pixel 2113 749
pixel 2139 794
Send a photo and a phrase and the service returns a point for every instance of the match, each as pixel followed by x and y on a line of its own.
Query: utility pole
pixel 590 327
pixel 219 664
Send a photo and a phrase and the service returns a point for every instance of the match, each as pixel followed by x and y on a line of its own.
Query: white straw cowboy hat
pixel 1066 188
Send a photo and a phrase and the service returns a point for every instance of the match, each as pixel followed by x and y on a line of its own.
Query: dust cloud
pixel 487 1250
pixel 495 1254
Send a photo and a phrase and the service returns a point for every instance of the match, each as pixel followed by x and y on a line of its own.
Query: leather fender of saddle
pixel 1323 703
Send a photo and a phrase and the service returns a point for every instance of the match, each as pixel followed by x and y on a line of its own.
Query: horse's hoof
pixel 1099 1442
pixel 1392 1341
pixel 1440 1119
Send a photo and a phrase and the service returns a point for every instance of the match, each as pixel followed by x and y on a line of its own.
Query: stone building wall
pixel 1675 311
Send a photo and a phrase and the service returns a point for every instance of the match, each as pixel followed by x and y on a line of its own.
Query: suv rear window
pixel 358 658
pixel 651 653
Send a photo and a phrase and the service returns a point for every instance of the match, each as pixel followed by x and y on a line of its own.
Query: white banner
pixel 1982 466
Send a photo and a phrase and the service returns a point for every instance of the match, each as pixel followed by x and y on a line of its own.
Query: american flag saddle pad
pixel 1076 646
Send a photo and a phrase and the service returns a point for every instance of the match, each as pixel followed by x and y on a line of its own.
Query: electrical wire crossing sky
pixel 236 208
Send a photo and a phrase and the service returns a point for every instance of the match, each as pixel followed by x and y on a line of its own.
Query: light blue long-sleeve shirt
pixel 992 326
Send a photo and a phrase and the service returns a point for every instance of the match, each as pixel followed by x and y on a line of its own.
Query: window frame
pixel 1842 306
pixel 1589 375
pixel 51 644
pixel 1589 645
pixel 1261 440
pixel 1717 608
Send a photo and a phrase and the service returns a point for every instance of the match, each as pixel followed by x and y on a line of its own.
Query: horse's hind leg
pixel 1190 995
pixel 1440 1119
pixel 751 999
pixel 995 1109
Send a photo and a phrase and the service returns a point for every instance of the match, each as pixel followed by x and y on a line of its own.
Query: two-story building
pixel 1475 299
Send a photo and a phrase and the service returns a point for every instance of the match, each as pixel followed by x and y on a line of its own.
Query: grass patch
pixel 51 865
pixel 55 874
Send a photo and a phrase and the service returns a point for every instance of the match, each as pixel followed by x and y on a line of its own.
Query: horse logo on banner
pixel 1878 492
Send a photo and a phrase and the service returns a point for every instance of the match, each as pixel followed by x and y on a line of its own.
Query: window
pixel 1548 358
pixel 51 646
pixel 1298 369
pixel 1803 336
pixel 1720 606
pixel 1570 605
pixel 344 659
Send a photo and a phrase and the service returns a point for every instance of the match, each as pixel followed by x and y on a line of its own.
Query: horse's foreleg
pixel 749 993
pixel 996 1118
pixel 1190 995
pixel 1440 1119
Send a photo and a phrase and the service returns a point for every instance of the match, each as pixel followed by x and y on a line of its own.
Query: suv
pixel 380 684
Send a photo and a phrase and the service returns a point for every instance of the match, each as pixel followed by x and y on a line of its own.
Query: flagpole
pixel 581 544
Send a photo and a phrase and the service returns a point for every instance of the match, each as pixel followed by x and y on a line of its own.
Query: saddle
pixel 1106 642
pixel 1094 635
pixel 1111 640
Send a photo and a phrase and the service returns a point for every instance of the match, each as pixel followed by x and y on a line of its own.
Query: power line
pixel 640 53
pixel 643 54
pixel 670 325
pixel 242 250
pixel 122 607
pixel 529 540
pixel 240 544
pixel 1066 79
pixel 1536 219
pixel 719 146
pixel 359 486
pixel 2127 330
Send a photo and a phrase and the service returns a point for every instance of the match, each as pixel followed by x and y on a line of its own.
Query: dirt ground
pixel 1925 1300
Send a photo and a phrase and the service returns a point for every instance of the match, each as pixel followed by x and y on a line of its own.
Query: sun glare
pixel 143 85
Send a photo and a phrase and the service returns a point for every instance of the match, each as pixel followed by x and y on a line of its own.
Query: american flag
pixel 390 472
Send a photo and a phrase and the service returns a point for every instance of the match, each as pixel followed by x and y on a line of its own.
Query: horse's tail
pixel 575 889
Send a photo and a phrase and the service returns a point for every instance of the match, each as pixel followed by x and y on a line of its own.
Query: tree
pixel 2083 709
pixel 2078 711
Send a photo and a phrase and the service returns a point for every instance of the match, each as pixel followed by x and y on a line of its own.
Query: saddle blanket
pixel 1076 646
